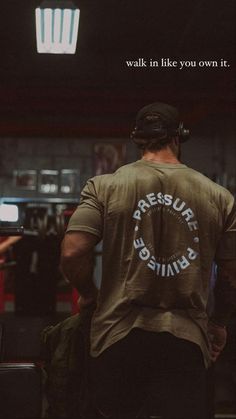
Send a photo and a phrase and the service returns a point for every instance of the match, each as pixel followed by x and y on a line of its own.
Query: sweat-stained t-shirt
pixel 162 226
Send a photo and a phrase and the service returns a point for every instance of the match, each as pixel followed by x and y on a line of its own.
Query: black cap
pixel 158 122
pixel 168 115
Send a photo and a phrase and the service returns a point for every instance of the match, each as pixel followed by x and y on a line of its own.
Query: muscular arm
pixel 225 305
pixel 225 292
pixel 77 261
pixel 4 246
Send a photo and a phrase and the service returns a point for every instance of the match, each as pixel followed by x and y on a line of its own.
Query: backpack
pixel 65 352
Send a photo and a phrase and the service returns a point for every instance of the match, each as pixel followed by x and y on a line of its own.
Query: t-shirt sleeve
pixel 88 216
pixel 227 245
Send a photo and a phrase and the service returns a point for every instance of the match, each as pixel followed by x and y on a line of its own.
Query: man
pixel 163 225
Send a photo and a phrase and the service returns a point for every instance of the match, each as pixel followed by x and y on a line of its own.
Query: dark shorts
pixel 150 373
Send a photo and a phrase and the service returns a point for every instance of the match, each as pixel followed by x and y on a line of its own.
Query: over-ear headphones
pixel 158 131
pixel 183 133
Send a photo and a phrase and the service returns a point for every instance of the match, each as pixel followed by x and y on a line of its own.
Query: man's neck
pixel 161 156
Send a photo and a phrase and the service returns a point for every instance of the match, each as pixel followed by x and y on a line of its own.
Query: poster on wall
pixel 108 157
pixel 25 179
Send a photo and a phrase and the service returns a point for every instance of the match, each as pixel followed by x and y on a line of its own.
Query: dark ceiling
pixel 93 92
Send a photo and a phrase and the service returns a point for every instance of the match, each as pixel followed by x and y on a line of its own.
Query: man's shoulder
pixel 209 183
pixel 111 177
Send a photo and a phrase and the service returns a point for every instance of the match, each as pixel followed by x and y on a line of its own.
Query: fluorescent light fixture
pixel 57 24
pixel 9 213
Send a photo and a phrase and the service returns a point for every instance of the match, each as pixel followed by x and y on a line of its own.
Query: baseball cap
pixel 167 114
pixel 158 121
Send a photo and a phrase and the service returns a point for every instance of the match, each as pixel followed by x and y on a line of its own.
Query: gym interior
pixel 65 118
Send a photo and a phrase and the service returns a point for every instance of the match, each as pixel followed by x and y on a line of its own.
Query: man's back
pixel 161 225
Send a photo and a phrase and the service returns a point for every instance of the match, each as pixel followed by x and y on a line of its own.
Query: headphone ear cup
pixel 183 133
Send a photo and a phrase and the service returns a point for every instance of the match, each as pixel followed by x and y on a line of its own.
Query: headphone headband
pixel 142 135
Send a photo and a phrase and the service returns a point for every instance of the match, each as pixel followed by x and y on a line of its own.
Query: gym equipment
pixel 35 258
pixel 11 231
pixel 1 340
pixel 21 391
pixel 60 225
pixel 22 337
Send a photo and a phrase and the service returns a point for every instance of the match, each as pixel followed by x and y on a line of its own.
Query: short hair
pixel 152 133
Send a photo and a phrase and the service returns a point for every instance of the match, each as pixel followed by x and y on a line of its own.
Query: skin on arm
pixel 77 264
pixel 224 307
pixel 4 246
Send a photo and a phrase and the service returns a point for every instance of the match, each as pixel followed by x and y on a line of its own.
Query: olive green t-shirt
pixel 162 226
